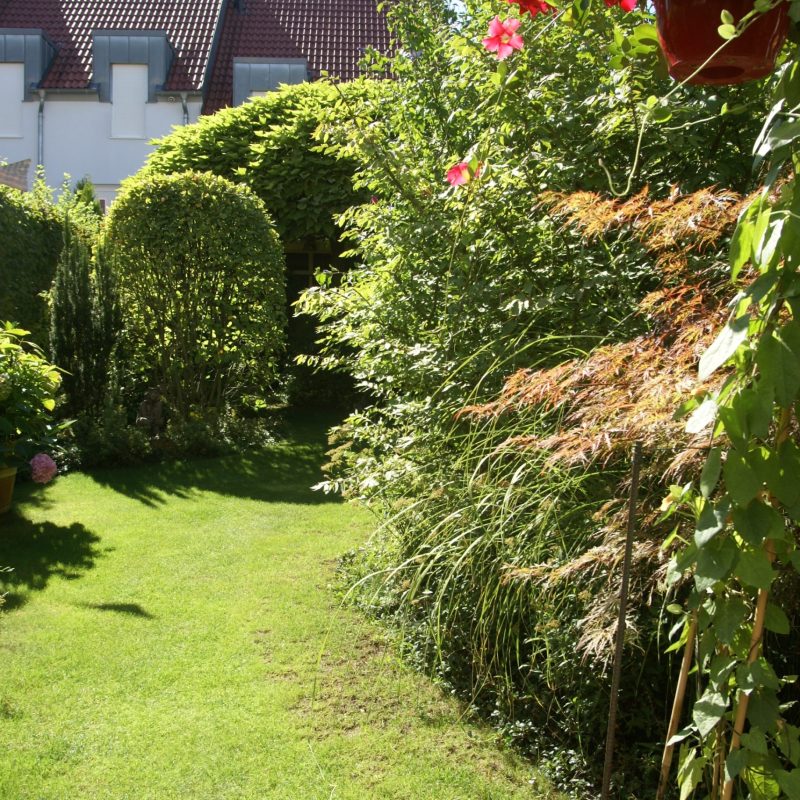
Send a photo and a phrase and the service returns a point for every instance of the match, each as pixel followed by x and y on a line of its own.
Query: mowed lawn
pixel 170 632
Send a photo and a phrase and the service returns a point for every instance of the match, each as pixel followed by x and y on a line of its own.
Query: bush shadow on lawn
pixel 281 473
pixel 36 551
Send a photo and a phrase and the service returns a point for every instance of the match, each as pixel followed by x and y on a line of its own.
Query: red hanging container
pixel 688 33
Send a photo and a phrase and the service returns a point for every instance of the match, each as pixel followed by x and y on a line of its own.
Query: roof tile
pixel 331 34
pixel 189 24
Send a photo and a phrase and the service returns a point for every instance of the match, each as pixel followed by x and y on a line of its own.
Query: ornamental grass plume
pixel 43 468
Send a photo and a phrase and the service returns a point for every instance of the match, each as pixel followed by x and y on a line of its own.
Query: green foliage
pixel 743 559
pixel 28 388
pixel 84 323
pixel 458 286
pixel 268 144
pixel 201 286
pixel 30 244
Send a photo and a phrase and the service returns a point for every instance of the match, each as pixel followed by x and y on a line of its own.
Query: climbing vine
pixel 746 505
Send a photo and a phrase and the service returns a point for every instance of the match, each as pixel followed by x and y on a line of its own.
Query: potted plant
pixel 28 386
pixel 691 31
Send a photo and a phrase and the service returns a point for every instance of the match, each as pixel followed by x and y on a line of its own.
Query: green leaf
pixel 782 473
pixel 741 479
pixel 714 563
pixel 702 417
pixel 735 763
pixel 727 31
pixel 690 771
pixel 789 783
pixel 710 522
pixel 779 368
pixel 764 710
pixel 741 250
pixel 776 620
pixel 711 472
pixel 724 346
pixel 757 522
pixel 754 568
pixel 708 711
pixel 755 740
pixel 729 617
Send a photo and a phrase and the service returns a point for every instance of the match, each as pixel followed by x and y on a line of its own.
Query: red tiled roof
pixel 189 25
pixel 330 34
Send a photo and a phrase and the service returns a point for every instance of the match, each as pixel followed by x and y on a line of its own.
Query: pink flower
pixel 533 7
pixel 43 468
pixel 625 5
pixel 503 39
pixel 459 174
pixel 462 173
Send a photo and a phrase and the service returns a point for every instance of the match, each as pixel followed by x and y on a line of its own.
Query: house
pixel 85 85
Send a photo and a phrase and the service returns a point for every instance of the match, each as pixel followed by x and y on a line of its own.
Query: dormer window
pixel 254 77
pixel 148 49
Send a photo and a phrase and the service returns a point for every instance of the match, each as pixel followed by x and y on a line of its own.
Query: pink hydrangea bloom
pixel 533 7
pixel 43 468
pixel 503 38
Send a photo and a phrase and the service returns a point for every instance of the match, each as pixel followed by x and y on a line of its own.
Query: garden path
pixel 170 632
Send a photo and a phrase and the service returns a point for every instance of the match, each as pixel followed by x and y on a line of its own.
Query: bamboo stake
pixel 621 621
pixel 755 647
pixel 677 707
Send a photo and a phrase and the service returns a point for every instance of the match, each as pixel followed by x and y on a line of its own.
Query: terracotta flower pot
pixel 688 33
pixel 7 477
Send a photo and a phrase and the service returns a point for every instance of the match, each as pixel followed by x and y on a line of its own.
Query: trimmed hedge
pixel 30 246
pixel 268 144
pixel 200 276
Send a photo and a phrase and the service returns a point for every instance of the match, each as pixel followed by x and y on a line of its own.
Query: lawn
pixel 170 632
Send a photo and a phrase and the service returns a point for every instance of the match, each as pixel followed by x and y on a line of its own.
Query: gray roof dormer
pixel 265 74
pixel 131 47
pixel 28 46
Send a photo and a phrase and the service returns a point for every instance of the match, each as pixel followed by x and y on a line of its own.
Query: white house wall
pixel 77 140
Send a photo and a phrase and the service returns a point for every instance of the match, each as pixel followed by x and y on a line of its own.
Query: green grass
pixel 169 633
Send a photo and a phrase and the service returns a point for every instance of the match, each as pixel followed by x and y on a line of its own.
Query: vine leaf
pixel 711 471
pixel 776 620
pixel 758 522
pixel 708 711
pixel 741 479
pixel 789 783
pixel 702 417
pixel 729 618
pixel 714 563
pixel 710 522
pixel 779 367
pixel 724 346
pixel 754 568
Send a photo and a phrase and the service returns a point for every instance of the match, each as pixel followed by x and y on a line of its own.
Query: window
pixel 128 100
pixel 12 93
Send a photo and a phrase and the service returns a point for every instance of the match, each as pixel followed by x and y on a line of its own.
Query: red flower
pixel 459 174
pixel 625 5
pixel 503 38
pixel 533 7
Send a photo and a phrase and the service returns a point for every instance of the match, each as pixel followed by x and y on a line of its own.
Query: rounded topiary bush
pixel 200 274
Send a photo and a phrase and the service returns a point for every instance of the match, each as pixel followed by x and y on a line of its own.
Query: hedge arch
pixel 268 144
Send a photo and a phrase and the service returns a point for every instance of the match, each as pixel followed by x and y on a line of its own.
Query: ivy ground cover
pixel 170 632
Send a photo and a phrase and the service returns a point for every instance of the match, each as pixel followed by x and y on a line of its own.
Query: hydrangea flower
pixel 43 468
pixel 503 38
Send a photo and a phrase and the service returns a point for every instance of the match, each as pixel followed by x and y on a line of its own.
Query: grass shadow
pixel 131 609
pixel 37 551
pixel 281 473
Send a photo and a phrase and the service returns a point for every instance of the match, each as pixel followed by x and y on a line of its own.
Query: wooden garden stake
pixel 621 620
pixel 677 707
